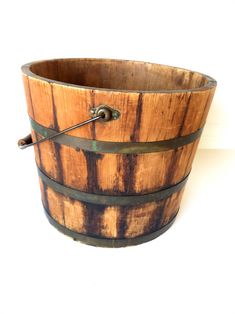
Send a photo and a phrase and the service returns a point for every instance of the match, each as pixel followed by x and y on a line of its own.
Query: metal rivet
pixel 115 115
pixel 105 113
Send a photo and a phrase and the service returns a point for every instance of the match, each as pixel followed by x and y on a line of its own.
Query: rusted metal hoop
pixel 116 147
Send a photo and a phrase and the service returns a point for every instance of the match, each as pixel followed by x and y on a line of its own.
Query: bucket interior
pixel 119 74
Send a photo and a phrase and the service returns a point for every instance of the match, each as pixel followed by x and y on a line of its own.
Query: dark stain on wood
pixel 92 178
pixel 170 172
pixel 208 102
pixel 60 176
pixel 135 133
pixel 185 115
pixel 122 224
pixel 179 79
pixel 155 222
pixel 93 218
pixel 189 157
pixel 130 162
pixel 190 78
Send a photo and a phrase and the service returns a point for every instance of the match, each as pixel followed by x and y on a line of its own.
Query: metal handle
pixel 104 113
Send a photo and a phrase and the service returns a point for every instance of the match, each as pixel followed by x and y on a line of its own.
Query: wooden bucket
pixel 118 182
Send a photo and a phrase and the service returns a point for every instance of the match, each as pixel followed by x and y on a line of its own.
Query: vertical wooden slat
pixel 110 174
pixel 28 96
pixel 74 213
pixel 73 166
pixel 171 207
pixel 109 226
pixel 195 111
pixel 138 218
pixel 56 205
pixel 42 102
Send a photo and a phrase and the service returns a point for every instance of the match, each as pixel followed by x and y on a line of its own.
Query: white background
pixel 189 269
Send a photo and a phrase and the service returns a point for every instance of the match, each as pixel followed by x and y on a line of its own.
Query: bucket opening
pixel 118 75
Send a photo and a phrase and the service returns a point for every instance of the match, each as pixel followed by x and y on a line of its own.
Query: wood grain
pixel 156 103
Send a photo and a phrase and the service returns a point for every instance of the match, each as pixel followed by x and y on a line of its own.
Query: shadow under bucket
pixel 114 144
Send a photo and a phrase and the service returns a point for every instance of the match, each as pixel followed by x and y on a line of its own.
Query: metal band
pixel 107 242
pixel 102 199
pixel 116 147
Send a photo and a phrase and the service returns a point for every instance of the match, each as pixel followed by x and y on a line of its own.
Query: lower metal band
pixel 102 199
pixel 107 242
pixel 116 147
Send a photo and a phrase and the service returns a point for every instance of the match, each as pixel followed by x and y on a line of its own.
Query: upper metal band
pixel 116 147
pixel 102 199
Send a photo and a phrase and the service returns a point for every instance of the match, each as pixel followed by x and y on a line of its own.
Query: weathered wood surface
pixel 110 221
pixel 179 108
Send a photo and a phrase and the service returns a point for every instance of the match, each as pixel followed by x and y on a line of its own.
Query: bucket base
pixel 106 242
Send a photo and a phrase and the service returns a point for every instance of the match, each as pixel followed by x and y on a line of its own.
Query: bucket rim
pixel 26 70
